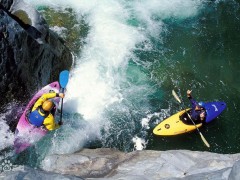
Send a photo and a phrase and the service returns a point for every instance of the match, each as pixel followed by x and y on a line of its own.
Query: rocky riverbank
pixel 141 165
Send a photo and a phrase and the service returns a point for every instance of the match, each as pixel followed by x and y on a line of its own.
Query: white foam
pixel 71 142
pixel 7 138
pixel 110 42
pixel 151 13
pixel 95 80
pixel 139 143
pixel 61 31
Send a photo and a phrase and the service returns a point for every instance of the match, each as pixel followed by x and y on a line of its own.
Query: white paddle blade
pixel 204 140
pixel 176 96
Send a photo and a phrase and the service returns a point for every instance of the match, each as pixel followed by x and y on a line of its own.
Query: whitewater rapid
pixel 99 80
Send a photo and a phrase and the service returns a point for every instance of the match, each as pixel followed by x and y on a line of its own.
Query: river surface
pixel 129 56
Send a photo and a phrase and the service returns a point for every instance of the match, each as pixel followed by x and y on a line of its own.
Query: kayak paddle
pixel 202 137
pixel 63 80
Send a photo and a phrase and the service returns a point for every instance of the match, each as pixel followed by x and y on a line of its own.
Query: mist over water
pixel 132 55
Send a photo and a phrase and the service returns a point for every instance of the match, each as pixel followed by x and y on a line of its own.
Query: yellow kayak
pixel 178 123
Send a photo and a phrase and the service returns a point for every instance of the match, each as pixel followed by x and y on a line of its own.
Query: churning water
pixel 129 55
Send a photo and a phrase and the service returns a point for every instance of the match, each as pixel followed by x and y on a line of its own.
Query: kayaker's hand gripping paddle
pixel 202 137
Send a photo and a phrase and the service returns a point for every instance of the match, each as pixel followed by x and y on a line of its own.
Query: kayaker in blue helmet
pixel 41 114
pixel 197 113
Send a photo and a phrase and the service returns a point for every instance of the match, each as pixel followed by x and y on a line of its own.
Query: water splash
pixel 7 136
pixel 103 75
pixel 139 143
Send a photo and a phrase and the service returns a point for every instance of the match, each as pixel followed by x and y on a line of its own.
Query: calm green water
pixel 202 54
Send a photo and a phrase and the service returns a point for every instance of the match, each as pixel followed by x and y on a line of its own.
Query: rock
pixel 29 19
pixel 113 164
pixel 6 3
pixel 98 163
pixel 24 172
pixel 31 55
pixel 235 173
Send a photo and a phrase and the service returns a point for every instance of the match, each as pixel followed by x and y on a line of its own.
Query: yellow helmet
pixel 47 105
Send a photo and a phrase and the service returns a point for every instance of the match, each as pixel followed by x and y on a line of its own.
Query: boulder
pixel 145 165
pixel 111 164
pixel 31 55
pixel 24 172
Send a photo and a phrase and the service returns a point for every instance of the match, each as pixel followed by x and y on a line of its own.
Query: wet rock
pixel 31 55
pixel 235 173
pixel 24 172
pixel 176 164
pixel 93 163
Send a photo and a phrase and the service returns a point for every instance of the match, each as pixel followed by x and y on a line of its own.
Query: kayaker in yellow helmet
pixel 198 112
pixel 41 113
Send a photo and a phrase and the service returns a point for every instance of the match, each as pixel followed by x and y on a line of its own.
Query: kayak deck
pixel 26 134
pixel 175 125
pixel 180 123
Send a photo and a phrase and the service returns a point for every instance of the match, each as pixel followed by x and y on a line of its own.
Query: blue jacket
pixel 195 114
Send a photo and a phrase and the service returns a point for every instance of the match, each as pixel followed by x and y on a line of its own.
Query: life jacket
pixel 36 118
pixel 195 114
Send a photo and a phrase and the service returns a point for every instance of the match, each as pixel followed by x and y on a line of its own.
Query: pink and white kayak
pixel 26 134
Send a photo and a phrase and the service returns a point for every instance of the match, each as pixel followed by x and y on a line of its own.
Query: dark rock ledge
pixel 31 55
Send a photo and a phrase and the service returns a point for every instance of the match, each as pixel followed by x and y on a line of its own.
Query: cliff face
pixel 111 164
pixel 30 54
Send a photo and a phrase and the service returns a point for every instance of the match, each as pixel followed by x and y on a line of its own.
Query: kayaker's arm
pixel 50 124
pixel 45 97
pixel 193 102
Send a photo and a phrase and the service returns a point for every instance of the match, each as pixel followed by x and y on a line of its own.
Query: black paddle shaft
pixel 61 107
